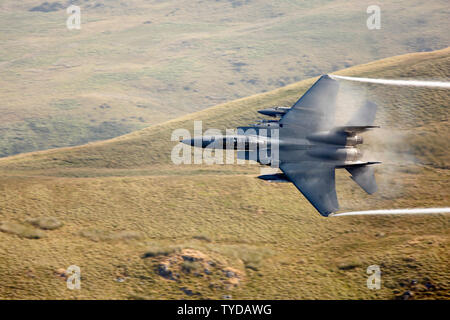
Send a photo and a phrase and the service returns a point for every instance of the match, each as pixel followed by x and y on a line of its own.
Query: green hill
pixel 404 108
pixel 140 227
pixel 137 63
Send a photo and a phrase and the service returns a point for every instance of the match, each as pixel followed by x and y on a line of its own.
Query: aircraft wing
pixel 315 110
pixel 316 181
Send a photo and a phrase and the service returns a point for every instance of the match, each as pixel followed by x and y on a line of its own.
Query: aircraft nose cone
pixel 200 142
pixel 189 142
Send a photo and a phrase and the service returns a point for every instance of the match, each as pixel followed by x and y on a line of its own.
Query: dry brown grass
pixel 280 247
pixel 154 61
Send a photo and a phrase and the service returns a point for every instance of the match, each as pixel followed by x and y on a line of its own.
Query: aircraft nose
pixel 189 142
pixel 201 142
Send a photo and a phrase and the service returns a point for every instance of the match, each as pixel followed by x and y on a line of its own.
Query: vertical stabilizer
pixel 365 116
pixel 365 177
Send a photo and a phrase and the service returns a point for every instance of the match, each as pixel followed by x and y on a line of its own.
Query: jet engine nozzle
pixel 340 154
pixel 337 138
pixel 353 154
pixel 354 140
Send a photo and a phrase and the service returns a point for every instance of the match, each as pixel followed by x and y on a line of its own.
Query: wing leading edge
pixel 315 110
pixel 316 181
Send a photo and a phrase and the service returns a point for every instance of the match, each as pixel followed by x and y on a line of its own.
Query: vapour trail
pixel 395 211
pixel 412 83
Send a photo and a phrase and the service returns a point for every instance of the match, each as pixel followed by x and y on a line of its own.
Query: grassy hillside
pixel 140 227
pixel 404 111
pixel 137 63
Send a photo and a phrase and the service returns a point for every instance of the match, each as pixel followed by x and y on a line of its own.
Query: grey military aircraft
pixel 308 143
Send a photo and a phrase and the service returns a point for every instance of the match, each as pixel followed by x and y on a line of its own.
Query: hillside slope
pixel 138 63
pixel 140 227
pixel 404 108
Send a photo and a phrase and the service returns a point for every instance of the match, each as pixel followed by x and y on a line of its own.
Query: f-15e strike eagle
pixel 310 145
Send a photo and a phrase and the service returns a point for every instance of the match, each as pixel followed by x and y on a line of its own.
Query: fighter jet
pixel 310 147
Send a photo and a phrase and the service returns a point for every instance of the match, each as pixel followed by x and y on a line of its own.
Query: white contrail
pixel 395 211
pixel 413 83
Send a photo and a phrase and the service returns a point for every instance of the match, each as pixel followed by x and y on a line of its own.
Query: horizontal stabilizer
pixel 354 129
pixel 357 164
pixel 364 176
